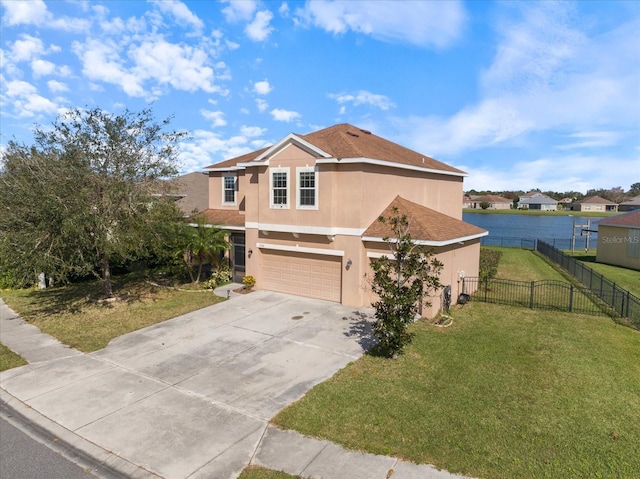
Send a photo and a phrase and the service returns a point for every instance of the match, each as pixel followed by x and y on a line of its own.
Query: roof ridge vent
pixel 366 132
pixel 352 133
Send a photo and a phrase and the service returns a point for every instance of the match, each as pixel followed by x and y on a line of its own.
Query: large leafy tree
pixel 401 281
pixel 89 193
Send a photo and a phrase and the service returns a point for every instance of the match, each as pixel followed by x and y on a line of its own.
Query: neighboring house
pixel 192 191
pixel 594 203
pixel 630 205
pixel 467 201
pixel 565 202
pixel 537 201
pixel 619 240
pixel 303 213
pixel 495 202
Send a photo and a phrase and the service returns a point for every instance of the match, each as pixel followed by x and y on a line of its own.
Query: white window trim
pixel 306 169
pixel 235 189
pixel 279 169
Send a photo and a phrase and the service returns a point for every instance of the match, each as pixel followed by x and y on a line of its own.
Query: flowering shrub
pixel 219 277
pixel 249 282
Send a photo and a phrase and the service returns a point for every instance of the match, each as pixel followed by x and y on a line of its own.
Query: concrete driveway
pixel 191 397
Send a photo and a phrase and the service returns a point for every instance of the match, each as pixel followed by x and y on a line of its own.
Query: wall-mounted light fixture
pixel 349 263
pixel 250 252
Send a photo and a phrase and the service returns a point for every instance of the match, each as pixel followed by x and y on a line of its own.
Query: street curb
pixel 92 458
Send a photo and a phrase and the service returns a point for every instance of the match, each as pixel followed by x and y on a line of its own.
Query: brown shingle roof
pixel 425 224
pixel 492 199
pixel 348 141
pixel 632 218
pixel 193 188
pixel 224 217
pixel 598 200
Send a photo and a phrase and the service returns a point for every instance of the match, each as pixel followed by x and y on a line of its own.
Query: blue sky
pixel 518 94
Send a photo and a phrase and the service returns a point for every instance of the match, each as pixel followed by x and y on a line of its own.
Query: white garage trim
pixel 301 249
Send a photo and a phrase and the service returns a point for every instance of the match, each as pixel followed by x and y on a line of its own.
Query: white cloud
pixel 288 116
pixel 262 105
pixel 363 97
pixel 262 87
pixel 154 60
pixel 26 101
pixel 215 117
pixel 26 49
pixel 57 87
pixel 591 139
pixel 42 68
pixel 206 148
pixel 555 173
pixel 35 12
pixel 546 75
pixel 419 22
pixel 259 29
pixel 25 13
pixel 252 131
pixel 180 13
pixel 240 10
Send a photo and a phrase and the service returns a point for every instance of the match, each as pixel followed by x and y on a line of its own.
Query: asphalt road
pixel 22 457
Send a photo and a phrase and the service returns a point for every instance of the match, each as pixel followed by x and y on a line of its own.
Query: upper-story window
pixel 229 190
pixel 307 188
pixel 279 180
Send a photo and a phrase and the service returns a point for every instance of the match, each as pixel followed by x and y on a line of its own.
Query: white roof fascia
pixel 222 227
pixel 429 242
pixel 305 229
pixel 390 164
pixel 229 168
pixel 263 158
pixel 301 249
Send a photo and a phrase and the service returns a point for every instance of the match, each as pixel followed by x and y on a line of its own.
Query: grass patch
pixel 524 265
pixel 539 212
pixel 626 278
pixel 77 316
pixel 504 392
pixel 256 472
pixel 9 359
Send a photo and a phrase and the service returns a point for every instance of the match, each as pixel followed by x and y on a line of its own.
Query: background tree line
pixel 615 194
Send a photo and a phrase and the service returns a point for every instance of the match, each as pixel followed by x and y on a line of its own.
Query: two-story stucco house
pixel 303 213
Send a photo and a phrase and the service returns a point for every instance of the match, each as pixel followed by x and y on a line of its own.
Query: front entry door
pixel 238 256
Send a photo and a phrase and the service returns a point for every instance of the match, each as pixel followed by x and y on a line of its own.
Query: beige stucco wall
pixel 349 195
pixel 350 198
pixel 619 246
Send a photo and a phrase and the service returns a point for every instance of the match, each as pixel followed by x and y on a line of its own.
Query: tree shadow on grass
pixel 74 298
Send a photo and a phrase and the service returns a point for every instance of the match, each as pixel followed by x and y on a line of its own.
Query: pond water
pixel 521 230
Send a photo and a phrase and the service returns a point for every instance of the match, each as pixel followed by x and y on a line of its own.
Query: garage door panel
pixel 309 275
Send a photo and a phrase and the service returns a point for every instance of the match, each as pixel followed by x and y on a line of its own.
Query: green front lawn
pixel 77 316
pixel 9 359
pixel 525 265
pixel 504 392
pixel 255 472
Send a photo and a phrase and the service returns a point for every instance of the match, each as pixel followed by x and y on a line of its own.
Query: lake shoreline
pixel 598 214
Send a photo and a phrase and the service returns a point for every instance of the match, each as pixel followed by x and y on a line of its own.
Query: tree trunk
pixel 106 274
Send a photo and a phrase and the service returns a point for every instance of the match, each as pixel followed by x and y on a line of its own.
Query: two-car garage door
pixel 302 274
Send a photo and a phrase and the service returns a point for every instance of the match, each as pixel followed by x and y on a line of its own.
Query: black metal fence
pixel 624 303
pixel 546 294
pixel 579 242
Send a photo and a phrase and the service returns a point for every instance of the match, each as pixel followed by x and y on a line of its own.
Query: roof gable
pixel 426 226
pixel 630 219
pixel 345 142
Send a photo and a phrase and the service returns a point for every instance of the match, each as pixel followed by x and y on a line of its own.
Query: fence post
pixel 533 287
pixel 486 286
pixel 626 314
pixel 571 298
pixel 613 299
